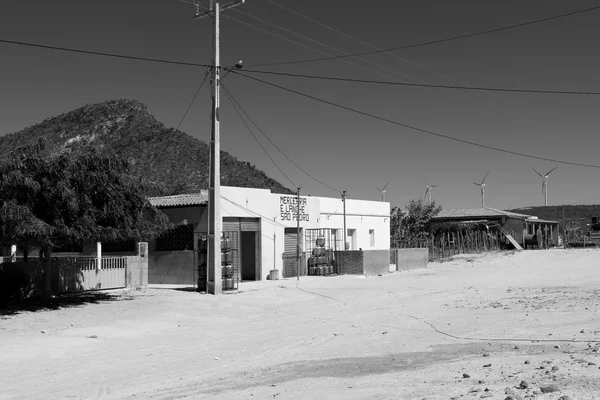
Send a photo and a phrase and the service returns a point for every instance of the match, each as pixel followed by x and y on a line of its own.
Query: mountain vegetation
pixel 176 162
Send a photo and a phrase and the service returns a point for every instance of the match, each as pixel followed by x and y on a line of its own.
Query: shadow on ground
pixel 63 301
pixel 177 289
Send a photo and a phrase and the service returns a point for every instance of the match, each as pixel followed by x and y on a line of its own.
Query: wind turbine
pixel 383 191
pixel 545 184
pixel 428 191
pixel 482 186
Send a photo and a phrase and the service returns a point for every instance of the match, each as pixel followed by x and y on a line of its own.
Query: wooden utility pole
pixel 345 232
pixel 564 229
pixel 214 281
pixel 298 235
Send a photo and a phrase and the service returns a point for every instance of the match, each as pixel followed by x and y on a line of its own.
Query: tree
pixel 414 223
pixel 48 201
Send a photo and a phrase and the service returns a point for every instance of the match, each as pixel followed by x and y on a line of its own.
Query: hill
pixel 581 214
pixel 174 160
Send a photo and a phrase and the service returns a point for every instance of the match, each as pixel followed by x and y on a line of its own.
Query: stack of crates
pixel 202 264
pixel 319 263
pixel 227 265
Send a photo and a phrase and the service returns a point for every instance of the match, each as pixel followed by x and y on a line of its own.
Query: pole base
pixel 211 288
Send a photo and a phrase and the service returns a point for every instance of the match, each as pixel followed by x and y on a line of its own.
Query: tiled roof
pixel 193 199
pixel 482 212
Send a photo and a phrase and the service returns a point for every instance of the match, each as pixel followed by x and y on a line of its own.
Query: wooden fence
pixel 448 244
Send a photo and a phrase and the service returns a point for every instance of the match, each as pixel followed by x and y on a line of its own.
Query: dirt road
pixel 474 327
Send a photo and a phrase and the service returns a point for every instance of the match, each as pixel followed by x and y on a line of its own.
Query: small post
pixel 564 231
pixel 345 232
pixel 98 256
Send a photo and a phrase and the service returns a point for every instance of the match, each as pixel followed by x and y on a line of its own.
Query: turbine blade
pixel 434 186
pixel 548 173
pixel 484 178
pixel 476 184
pixel 386 185
pixel 537 172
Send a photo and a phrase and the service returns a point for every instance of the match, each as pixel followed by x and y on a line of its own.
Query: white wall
pixel 361 215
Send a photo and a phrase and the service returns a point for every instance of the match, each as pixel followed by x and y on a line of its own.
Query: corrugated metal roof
pixel 192 199
pixel 482 212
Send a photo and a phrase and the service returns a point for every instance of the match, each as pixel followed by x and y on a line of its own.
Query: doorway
pixel 248 256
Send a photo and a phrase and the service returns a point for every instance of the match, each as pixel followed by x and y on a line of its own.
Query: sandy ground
pixel 474 327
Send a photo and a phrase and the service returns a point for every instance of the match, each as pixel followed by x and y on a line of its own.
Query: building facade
pixel 262 230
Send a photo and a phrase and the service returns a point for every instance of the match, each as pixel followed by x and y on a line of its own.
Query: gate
pixel 77 274
pixel 290 265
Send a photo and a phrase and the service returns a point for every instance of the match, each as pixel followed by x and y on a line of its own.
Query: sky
pixel 345 150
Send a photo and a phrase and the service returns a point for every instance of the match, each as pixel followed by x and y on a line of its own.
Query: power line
pixel 477 88
pixel 335 49
pixel 98 53
pixel 277 147
pixel 192 102
pixel 448 39
pixel 230 97
pixel 414 127
pixel 365 43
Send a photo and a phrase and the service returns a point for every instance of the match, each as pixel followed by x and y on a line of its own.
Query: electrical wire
pixel 366 44
pixel 429 132
pixel 230 97
pixel 311 40
pixel 336 49
pixel 192 102
pixel 443 40
pixel 275 145
pixel 475 88
pixel 104 54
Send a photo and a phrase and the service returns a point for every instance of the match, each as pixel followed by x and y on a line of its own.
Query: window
pixel 351 239
pixel 372 237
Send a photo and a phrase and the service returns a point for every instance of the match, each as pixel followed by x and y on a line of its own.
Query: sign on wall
pixel 306 209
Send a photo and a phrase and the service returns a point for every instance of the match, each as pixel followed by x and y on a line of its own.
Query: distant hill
pixel 581 214
pixel 173 159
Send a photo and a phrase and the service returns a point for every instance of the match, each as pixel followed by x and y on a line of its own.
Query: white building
pixel 262 229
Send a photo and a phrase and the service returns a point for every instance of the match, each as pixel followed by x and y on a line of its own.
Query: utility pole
pixel 214 280
pixel 298 235
pixel 564 229
pixel 345 232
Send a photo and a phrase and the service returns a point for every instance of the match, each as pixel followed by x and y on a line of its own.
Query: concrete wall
pixel 349 262
pixel 356 262
pixel 171 267
pixel 407 259
pixel 376 262
pixel 136 274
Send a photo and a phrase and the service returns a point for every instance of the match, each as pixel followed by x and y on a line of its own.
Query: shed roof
pixel 482 212
pixel 542 221
pixel 192 199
